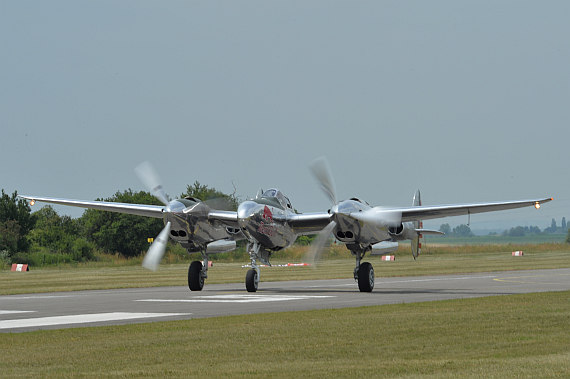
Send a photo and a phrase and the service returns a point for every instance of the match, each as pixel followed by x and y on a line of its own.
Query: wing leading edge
pixel 440 211
pixel 155 211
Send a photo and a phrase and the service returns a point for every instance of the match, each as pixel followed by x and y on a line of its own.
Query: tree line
pixel 517 231
pixel 44 237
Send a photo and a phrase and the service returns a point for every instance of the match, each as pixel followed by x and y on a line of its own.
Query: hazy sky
pixel 466 100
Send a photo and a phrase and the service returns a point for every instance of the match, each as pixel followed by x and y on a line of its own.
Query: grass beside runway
pixel 501 336
pixel 435 260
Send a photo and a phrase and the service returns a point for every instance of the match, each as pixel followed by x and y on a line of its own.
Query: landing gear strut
pixel 363 273
pixel 252 277
pixel 197 273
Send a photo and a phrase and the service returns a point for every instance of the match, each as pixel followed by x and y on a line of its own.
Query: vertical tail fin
pixel 417 240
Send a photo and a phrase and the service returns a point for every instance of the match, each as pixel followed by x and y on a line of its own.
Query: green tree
pixel 215 199
pixel 445 228
pixel 534 230
pixel 9 235
pixel 52 231
pixel 552 228
pixel 568 236
pixel 462 231
pixel 16 221
pixel 518 231
pixel 60 235
pixel 121 233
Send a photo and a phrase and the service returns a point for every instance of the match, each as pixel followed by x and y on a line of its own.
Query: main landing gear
pixel 363 272
pixel 197 273
pixel 252 277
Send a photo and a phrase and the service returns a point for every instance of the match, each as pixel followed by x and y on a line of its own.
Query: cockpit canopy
pixel 282 199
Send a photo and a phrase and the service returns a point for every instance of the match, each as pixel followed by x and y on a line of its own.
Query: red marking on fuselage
pixel 266 228
pixel 267 215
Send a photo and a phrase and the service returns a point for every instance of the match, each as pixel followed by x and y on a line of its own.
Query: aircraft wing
pixel 228 218
pixel 155 211
pixel 309 223
pixel 439 211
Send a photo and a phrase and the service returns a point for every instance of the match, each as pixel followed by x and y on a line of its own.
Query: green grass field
pixel 520 336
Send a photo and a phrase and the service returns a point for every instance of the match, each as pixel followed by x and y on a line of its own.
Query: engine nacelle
pixel 404 231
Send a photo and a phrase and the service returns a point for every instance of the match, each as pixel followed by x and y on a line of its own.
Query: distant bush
pixel 83 250
pixel 5 259
pixel 41 258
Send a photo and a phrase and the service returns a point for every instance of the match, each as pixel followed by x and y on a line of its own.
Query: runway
pixel 22 313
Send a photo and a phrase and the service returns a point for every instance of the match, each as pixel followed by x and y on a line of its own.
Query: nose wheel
pixel 256 252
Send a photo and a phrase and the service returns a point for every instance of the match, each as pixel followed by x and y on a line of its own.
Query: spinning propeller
pixel 148 175
pixel 377 216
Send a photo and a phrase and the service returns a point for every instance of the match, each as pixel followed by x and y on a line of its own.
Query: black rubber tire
pixel 366 277
pixel 251 280
pixel 195 280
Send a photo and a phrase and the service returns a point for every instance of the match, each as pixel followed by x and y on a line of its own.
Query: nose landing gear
pixel 252 277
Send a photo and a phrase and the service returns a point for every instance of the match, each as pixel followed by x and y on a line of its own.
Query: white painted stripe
pixel 235 299
pixel 14 312
pixel 80 319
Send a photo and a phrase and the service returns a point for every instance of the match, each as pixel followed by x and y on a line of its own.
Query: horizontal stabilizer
pixel 430 231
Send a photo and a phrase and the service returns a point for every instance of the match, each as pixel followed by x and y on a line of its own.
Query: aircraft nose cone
pixel 245 211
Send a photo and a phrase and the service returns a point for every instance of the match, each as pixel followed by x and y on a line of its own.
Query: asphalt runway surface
pixel 21 313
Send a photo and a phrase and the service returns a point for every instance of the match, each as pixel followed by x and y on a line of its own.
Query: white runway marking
pixel 14 312
pixel 236 299
pixel 80 319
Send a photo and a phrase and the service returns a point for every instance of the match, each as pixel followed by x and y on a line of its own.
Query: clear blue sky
pixel 466 100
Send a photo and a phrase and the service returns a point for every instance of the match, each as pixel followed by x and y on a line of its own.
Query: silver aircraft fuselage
pixel 264 220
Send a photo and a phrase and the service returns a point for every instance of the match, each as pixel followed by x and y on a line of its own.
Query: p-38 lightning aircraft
pixel 269 223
